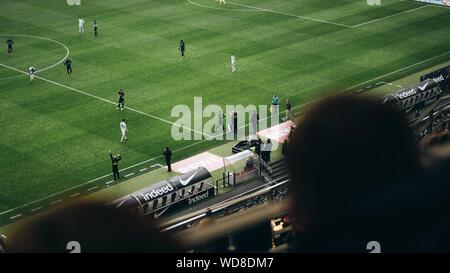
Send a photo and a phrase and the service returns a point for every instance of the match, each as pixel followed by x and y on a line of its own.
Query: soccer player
pixel 31 72
pixel 10 46
pixel 121 104
pixel 68 64
pixel 80 25
pixel 182 47
pixel 95 29
pixel 221 2
pixel 124 130
pixel 233 63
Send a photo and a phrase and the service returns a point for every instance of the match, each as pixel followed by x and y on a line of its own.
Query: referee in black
pixel 115 165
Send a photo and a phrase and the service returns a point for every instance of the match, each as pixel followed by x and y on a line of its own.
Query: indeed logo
pixel 198 198
pixel 407 94
pixel 158 192
pixel 439 79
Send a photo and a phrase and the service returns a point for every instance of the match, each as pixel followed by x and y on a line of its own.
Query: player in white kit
pixel 233 63
pixel 31 72
pixel 80 25
pixel 124 130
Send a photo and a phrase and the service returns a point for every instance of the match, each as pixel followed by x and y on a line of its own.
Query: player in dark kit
pixel 95 29
pixel 10 46
pixel 68 64
pixel 182 48
pixel 121 103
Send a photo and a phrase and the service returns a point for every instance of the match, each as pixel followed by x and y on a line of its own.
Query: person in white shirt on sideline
pixel 31 72
pixel 124 130
pixel 80 25
pixel 233 63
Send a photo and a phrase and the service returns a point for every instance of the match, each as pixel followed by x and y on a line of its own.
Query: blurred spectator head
pixel 343 147
pixel 95 227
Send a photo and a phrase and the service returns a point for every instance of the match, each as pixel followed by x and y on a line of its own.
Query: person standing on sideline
pixel 115 165
pixel 182 47
pixel 95 28
pixel 275 105
pixel 10 46
pixel 31 72
pixel 168 155
pixel 258 146
pixel 233 63
pixel 288 109
pixel 80 25
pixel 124 130
pixel 266 149
pixel 121 104
pixel 235 123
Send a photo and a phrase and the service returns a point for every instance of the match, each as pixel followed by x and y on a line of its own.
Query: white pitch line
pixel 15 216
pixel 289 14
pixel 144 169
pixel 201 141
pixel 109 182
pixel 56 202
pixel 389 16
pixel 128 175
pixel 156 165
pixel 93 188
pixel 75 194
pixel 35 209
pixel 108 101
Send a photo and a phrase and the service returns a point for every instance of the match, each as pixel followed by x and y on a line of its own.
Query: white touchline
pixel 289 14
pixel 107 101
pixel 201 141
pixel 130 174
pixel 389 16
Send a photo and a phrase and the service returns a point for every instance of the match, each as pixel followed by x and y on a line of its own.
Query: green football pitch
pixel 56 131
